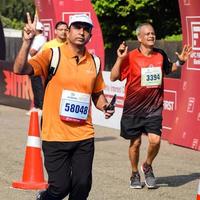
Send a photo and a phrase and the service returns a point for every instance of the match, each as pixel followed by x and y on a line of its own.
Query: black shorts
pixel 134 126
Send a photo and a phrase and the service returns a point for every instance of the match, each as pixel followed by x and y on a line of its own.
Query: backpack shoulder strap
pixel 97 62
pixel 55 60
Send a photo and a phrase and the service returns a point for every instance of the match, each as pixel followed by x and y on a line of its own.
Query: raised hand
pixel 186 51
pixel 122 50
pixel 30 28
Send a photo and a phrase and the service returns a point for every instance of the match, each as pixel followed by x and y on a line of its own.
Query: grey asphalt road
pixel 177 169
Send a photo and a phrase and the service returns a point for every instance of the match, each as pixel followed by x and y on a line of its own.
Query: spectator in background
pixel 40 43
pixel 60 36
pixel 36 81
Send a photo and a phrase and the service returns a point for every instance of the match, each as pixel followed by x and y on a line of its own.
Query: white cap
pixel 39 26
pixel 80 18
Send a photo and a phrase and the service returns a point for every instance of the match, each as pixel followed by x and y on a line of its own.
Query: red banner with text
pixel 15 90
pixel 186 127
pixel 170 105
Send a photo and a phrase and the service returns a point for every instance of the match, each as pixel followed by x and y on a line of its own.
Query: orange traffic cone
pixel 33 177
pixel 198 192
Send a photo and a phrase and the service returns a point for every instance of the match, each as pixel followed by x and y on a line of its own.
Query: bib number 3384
pixel 74 106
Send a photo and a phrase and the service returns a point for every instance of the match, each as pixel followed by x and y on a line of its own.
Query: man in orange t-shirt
pixel 67 130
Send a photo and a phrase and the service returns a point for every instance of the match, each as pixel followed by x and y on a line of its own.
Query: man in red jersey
pixel 144 68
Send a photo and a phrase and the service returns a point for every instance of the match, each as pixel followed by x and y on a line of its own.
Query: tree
pixel 14 12
pixel 120 18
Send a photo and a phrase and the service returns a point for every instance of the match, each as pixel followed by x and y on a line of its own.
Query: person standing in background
pixel 60 36
pixel 36 81
pixel 39 43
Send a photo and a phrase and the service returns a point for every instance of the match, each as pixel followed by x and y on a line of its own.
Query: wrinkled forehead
pixel 147 29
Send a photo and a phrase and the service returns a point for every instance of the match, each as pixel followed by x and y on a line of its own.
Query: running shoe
pixel 135 182
pixel 150 179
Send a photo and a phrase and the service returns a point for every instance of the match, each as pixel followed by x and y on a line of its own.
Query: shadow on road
pixel 176 181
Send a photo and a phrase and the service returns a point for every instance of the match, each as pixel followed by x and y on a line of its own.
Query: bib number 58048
pixel 76 108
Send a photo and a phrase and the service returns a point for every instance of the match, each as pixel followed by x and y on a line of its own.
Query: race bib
pixel 74 106
pixel 151 76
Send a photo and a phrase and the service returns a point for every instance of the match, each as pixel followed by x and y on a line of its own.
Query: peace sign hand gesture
pixel 30 28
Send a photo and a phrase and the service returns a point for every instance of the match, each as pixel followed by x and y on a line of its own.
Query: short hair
pixel 60 23
pixel 138 29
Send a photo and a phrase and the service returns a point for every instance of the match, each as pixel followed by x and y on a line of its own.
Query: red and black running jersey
pixel 144 84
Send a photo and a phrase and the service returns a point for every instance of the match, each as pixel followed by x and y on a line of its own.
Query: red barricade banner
pixel 15 90
pixel 186 128
pixel 170 105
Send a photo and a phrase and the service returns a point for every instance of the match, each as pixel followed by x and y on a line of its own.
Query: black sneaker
pixel 150 179
pixel 135 181
pixel 40 194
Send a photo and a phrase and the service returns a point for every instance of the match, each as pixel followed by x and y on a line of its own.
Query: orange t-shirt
pixel 81 77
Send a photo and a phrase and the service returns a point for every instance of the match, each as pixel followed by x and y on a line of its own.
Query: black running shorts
pixel 133 127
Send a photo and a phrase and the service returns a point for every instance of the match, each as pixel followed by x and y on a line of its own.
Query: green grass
pixel 173 38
